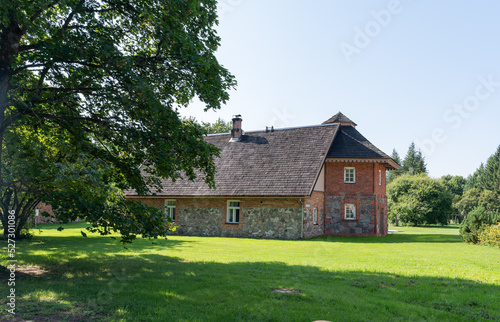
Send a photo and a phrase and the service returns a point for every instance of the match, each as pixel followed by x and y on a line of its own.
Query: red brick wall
pixel 334 179
pixel 317 200
pixel 379 189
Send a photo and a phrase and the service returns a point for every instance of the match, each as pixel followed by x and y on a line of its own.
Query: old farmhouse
pixel 285 183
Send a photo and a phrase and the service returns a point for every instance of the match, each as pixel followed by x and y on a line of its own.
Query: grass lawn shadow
pixel 161 288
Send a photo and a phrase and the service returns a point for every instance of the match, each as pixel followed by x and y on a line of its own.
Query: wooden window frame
pixel 347 175
pixel 348 206
pixel 233 211
pixel 170 209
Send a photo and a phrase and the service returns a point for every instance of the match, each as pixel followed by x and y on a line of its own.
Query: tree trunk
pixel 21 209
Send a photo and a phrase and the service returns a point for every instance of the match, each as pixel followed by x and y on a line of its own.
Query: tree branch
pixel 39 12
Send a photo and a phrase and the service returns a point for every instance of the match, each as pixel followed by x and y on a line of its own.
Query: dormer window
pixel 349 175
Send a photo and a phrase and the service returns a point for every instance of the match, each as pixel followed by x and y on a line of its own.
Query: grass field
pixel 414 274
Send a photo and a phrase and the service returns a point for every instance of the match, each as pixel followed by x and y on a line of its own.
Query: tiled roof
pixel 284 162
pixel 349 143
pixel 339 118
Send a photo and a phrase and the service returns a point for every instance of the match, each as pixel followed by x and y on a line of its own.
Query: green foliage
pixel 418 200
pixel 476 222
pixel 490 236
pixel 219 126
pixel 391 175
pixel 89 93
pixel 414 162
pixel 490 178
pixel 455 186
pixel 474 198
pixel 487 176
pixel 474 180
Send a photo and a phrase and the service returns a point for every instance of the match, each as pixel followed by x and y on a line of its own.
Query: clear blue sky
pixel 424 71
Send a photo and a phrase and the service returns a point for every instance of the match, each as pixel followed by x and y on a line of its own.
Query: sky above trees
pixel 404 71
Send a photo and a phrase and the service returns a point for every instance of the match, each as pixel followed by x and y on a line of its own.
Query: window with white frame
pixel 350 175
pixel 350 211
pixel 233 212
pixel 315 216
pixel 170 208
pixel 379 177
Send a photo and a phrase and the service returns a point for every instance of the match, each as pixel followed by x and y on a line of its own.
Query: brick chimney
pixel 236 132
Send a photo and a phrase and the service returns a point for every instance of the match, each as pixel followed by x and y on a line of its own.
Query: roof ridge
pixel 278 129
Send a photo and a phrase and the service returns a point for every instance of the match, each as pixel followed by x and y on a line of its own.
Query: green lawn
pixel 414 274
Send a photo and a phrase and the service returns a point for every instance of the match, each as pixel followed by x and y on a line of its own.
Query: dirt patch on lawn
pixel 286 291
pixel 24 271
pixel 32 270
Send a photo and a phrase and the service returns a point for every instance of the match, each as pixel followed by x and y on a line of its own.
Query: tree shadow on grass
pixel 153 287
pixel 397 237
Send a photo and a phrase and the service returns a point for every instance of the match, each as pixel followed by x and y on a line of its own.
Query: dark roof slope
pixel 349 143
pixel 281 163
pixel 339 118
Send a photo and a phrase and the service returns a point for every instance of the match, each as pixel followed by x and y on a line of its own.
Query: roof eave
pixel 390 163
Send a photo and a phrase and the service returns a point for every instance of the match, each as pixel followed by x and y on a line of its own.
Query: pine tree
pixel 391 175
pixel 414 162
pixel 490 179
pixel 474 180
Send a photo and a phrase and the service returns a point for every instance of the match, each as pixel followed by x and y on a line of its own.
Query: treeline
pixel 416 199
pixel 219 126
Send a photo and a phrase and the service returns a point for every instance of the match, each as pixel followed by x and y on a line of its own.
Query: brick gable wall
pixel 367 194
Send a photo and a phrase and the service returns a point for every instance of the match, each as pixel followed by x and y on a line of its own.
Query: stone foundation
pixel 365 222
pixel 255 221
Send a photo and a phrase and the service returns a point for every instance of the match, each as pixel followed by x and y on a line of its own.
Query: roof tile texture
pixel 280 163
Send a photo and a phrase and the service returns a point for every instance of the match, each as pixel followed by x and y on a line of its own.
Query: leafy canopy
pixel 418 200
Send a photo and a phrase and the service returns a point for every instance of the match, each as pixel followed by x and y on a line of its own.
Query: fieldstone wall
pixel 199 221
pixel 279 223
pixel 383 218
pixel 310 229
pixel 364 223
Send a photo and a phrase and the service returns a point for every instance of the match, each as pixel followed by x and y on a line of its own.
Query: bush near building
pixel 476 222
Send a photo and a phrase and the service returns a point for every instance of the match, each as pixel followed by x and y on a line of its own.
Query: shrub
pixel 475 222
pixel 490 236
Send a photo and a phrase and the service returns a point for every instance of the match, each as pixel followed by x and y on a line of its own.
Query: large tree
pixel 418 200
pixel 89 92
pixel 455 186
